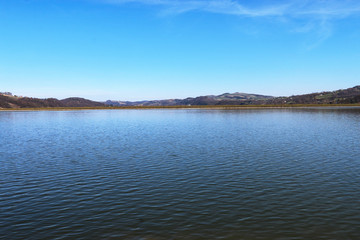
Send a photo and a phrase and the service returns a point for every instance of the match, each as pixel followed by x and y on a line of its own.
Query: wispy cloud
pixel 294 8
pixel 215 6
pixel 318 14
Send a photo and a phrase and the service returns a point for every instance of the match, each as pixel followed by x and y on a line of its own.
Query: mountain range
pixel 10 101
pixel 201 100
pixel 343 96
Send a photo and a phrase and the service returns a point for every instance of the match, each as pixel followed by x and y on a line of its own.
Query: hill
pixel 236 98
pixel 9 101
pixel 342 96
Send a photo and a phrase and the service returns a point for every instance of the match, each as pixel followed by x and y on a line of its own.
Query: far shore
pixel 181 107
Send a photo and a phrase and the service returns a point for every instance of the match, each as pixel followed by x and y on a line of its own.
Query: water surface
pixel 180 174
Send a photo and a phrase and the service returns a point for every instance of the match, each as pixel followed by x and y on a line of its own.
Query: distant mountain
pixel 80 102
pixel 238 98
pixel 9 101
pixel 167 102
pixel 342 96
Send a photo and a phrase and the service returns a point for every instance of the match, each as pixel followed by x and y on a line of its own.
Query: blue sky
pixel 159 49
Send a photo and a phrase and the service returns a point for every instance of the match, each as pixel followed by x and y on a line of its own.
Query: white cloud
pixel 294 8
pixel 318 14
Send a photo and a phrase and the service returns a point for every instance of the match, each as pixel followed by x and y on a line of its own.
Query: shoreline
pixel 224 107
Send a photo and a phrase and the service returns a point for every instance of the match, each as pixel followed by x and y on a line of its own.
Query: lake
pixel 180 174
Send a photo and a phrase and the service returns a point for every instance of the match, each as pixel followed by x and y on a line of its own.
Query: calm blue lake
pixel 180 174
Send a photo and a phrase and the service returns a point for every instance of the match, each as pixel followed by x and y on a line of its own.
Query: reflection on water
pixel 180 174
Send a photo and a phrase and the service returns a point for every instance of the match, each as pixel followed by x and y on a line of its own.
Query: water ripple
pixel 180 174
